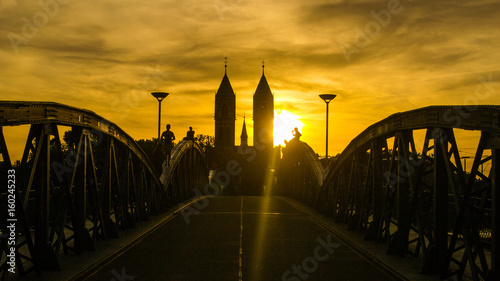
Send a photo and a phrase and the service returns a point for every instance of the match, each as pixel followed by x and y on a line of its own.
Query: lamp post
pixel 465 162
pixel 159 96
pixel 327 98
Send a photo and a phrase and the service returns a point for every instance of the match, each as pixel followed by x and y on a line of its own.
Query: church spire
pixel 225 88
pixel 263 88
pixel 263 113
pixel 225 112
pixel 244 135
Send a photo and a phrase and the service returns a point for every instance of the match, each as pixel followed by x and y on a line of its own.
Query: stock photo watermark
pixel 483 91
pixel 224 6
pixel 126 102
pixel 11 221
pixel 123 276
pixel 233 168
pixel 31 26
pixel 215 185
pixel 222 178
pixel 363 37
pixel 309 265
pixel 75 157
pixel 455 117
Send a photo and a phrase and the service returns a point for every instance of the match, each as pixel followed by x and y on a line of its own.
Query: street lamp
pixel 159 96
pixel 327 98
pixel 465 162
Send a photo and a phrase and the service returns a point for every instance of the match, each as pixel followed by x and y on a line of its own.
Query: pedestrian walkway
pixel 241 238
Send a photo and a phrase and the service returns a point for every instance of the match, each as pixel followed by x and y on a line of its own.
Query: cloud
pixel 108 56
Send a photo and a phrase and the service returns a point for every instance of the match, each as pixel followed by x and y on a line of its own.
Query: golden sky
pixel 379 56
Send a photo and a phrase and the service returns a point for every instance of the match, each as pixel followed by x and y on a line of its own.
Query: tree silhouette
pixel 205 141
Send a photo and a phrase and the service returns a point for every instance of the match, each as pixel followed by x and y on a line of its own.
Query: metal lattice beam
pixel 102 182
pixel 419 202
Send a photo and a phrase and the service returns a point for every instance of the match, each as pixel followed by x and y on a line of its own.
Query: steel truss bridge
pixel 419 201
pixel 414 196
pixel 104 183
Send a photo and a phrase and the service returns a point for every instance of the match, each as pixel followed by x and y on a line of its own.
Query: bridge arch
pixel 186 171
pixel 300 172
pixel 71 197
pixel 421 200
pixel 417 201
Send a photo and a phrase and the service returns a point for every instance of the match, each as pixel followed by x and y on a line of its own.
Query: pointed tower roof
pixel 263 87
pixel 225 86
pixel 244 135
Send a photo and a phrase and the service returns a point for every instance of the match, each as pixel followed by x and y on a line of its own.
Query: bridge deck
pixel 239 238
pixel 268 235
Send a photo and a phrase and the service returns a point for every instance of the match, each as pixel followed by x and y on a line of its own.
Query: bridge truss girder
pixel 70 203
pixel 299 173
pixel 418 199
pixel 416 190
pixel 187 172
pixel 70 197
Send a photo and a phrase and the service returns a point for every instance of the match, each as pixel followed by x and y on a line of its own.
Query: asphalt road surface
pixel 240 238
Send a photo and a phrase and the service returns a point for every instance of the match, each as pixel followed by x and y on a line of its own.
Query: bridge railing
pixel 186 171
pixel 419 199
pixel 300 173
pixel 68 197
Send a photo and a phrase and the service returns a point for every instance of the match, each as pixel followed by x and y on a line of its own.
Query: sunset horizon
pixel 378 57
pixel 249 140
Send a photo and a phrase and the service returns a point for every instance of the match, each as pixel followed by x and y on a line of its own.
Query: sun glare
pixel 284 123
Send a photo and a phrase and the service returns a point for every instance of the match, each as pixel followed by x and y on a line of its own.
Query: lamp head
pixel 159 95
pixel 327 97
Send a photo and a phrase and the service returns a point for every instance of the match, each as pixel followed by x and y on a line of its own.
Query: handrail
pixel 15 113
pixel 177 153
pixel 480 117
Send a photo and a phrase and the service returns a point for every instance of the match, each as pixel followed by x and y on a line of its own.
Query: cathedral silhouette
pixel 251 168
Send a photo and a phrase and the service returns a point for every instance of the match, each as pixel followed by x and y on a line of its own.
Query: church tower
pixel 263 114
pixel 244 135
pixel 225 113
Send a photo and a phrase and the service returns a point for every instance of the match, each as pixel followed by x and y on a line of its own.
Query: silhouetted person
pixel 296 134
pixel 167 139
pixel 190 134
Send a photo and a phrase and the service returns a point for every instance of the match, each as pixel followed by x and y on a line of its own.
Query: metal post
pixel 159 118
pixel 440 206
pixel 159 96
pixel 43 246
pixel 327 98
pixel 495 218
pixel 41 220
pixel 403 191
pixel 327 130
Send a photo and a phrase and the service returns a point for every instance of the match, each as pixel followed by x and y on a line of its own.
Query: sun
pixel 284 123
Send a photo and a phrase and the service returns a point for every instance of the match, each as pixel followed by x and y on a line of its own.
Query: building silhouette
pixel 263 114
pixel 244 135
pixel 225 113
pixel 255 161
